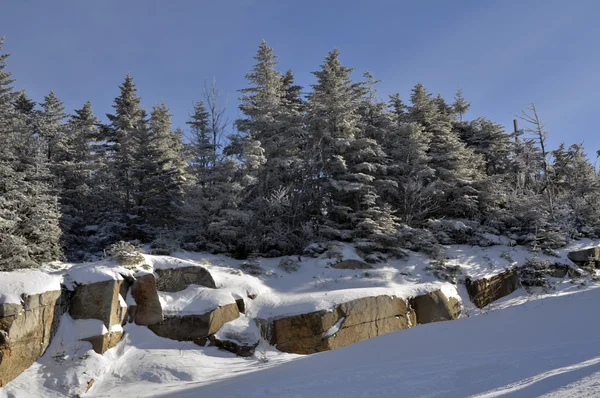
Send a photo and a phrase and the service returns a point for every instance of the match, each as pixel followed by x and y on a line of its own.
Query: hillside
pixel 533 341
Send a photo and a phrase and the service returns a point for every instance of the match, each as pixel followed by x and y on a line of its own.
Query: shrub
pixel 289 264
pixel 125 254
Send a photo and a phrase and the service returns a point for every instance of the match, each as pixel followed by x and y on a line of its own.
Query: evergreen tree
pixel 49 124
pixel 123 134
pixel 29 231
pixel 407 146
pixel 77 170
pixel 159 173
pixel 345 162
pixel 460 105
pixel 456 166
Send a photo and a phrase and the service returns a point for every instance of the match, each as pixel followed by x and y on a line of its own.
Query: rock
pixel 8 309
pixel 195 328
pixel 589 257
pixel 234 347
pixel 98 300
pixel 148 310
pixel 557 270
pixel 347 324
pixel 178 279
pixel 541 274
pixel 434 307
pixel 241 305
pixel 487 290
pixel 101 344
pixel 26 333
pixel 351 264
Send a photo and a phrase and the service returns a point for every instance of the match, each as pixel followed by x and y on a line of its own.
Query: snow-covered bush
pixel 289 264
pixel 252 265
pixel 125 254
pixel 440 268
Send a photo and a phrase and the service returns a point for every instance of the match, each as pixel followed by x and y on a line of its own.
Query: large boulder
pixel 26 330
pixel 487 290
pixel 347 324
pixel 195 328
pixel 99 300
pixel 589 257
pixel 148 310
pixel 351 264
pixel 177 279
pixel 434 307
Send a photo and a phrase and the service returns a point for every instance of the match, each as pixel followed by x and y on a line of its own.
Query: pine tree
pixel 341 184
pixel 78 171
pixel 49 124
pixel 201 147
pixel 123 133
pixel 29 232
pixel 460 105
pixel 456 166
pixel 407 146
pixel 159 173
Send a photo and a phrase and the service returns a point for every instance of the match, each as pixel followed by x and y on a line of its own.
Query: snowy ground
pixel 522 346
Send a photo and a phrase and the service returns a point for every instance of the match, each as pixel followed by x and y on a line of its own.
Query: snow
pixel 523 350
pixel 84 328
pixel 194 300
pixel 88 273
pixel 335 328
pixel 15 284
pixel 242 331
pixel 523 345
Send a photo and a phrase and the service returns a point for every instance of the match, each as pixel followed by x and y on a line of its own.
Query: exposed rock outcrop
pixel 487 290
pixel 26 331
pixel 148 310
pixel 99 300
pixel 348 323
pixel 351 264
pixel 195 328
pixel 587 258
pixel 435 306
pixel 178 279
pixel 102 301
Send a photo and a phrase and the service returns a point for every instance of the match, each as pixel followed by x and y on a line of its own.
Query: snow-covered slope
pixel 543 346
pixel 519 338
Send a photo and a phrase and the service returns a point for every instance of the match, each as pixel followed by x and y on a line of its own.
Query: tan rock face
pixel 485 291
pixel 351 264
pixel 434 307
pixel 589 257
pixel 177 279
pixel 26 333
pixel 357 320
pixel 98 300
pixel 148 310
pixel 195 328
pixel 101 344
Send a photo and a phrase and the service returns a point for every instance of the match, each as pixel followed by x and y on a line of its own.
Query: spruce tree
pixel 456 166
pixel 340 187
pixel 124 136
pixel 78 172
pixel 29 231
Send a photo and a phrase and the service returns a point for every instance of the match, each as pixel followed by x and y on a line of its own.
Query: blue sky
pixel 503 54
